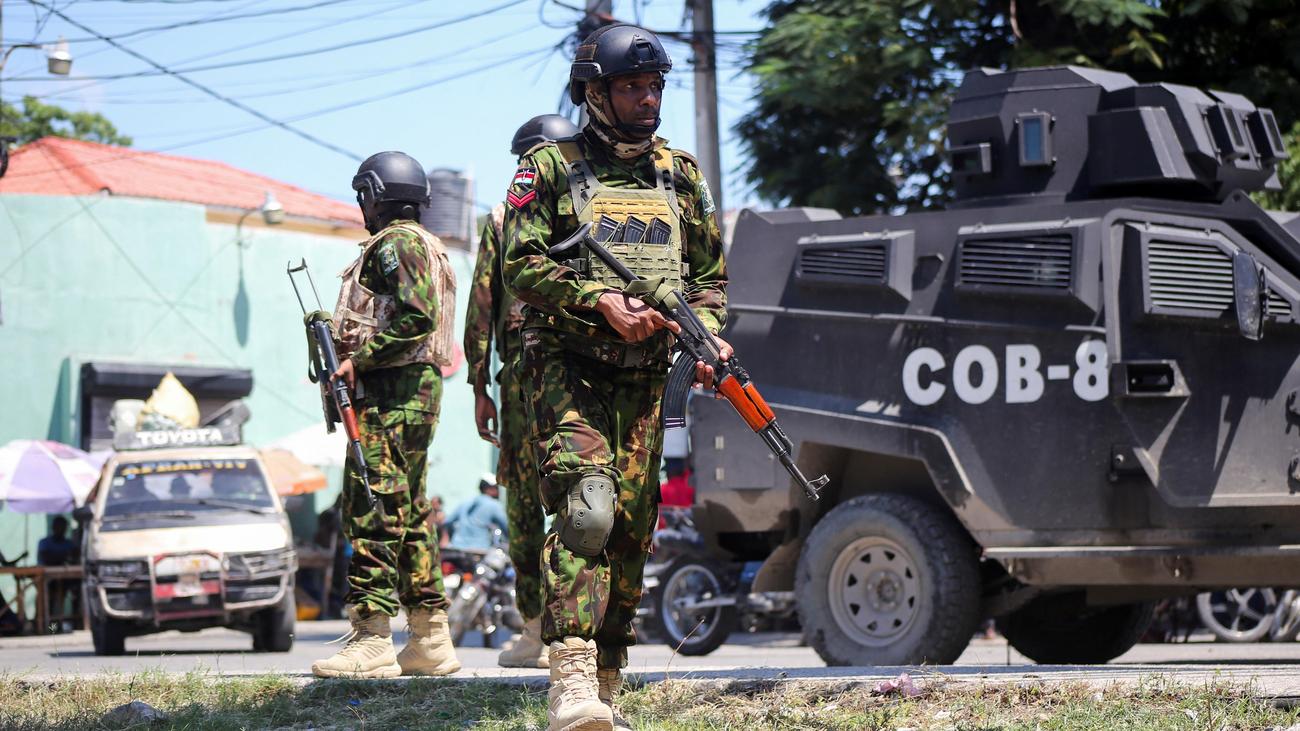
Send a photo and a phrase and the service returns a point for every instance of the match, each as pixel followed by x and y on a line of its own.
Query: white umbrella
pixel 46 477
pixel 315 446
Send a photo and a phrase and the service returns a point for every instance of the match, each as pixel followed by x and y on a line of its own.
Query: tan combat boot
pixel 527 650
pixel 368 653
pixel 609 681
pixel 428 648
pixel 574 702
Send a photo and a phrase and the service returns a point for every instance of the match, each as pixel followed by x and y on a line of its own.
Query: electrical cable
pixel 333 79
pixel 206 20
pixel 268 59
pixel 209 91
pixel 126 153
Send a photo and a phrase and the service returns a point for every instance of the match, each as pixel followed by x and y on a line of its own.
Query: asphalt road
pixel 1272 668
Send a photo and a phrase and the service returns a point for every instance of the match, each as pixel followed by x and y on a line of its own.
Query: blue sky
pixel 471 83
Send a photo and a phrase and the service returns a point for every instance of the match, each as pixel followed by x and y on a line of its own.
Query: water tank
pixel 450 214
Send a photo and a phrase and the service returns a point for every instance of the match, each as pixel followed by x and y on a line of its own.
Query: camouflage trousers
pixel 516 472
pixel 590 418
pixel 394 553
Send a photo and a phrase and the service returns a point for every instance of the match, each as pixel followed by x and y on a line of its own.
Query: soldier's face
pixel 636 98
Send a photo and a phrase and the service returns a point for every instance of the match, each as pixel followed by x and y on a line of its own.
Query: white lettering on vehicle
pixel 976 374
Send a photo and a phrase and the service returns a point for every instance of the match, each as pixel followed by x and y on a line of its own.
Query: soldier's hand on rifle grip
pixel 348 373
pixel 704 372
pixel 631 318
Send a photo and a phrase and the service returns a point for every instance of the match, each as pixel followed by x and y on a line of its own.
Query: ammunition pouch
pixel 611 352
pixel 586 520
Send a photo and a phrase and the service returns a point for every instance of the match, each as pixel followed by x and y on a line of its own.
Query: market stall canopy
pixel 289 475
pixel 46 477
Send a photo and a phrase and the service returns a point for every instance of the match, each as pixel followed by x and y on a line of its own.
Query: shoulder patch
pixel 388 259
pixel 706 197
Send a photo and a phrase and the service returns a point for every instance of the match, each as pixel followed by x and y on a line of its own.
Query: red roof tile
pixel 59 166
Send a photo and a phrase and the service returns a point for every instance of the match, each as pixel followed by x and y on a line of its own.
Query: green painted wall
pixel 103 278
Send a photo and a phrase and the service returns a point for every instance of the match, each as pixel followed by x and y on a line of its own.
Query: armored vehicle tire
pixel 888 580
pixel 1060 629
pixel 691 631
pixel 108 636
pixel 273 628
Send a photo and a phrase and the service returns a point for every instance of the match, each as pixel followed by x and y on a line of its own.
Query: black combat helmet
pixel 389 186
pixel 391 176
pixel 539 129
pixel 612 51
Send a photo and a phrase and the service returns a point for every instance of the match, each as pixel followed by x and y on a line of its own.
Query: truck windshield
pixel 189 485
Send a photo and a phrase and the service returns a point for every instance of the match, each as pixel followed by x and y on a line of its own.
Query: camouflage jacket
pixel 399 267
pixel 541 214
pixel 493 312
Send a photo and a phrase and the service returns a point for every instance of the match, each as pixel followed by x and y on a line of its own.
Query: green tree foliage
pixel 36 119
pixel 1288 171
pixel 852 95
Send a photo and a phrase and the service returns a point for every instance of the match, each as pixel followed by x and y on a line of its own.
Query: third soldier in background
pixel 394 326
pixel 495 314
pixel 595 359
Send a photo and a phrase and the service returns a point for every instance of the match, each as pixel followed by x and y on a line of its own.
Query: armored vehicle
pixel 1070 394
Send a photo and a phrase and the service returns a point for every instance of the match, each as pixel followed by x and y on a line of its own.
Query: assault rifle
pixel 695 343
pixel 322 362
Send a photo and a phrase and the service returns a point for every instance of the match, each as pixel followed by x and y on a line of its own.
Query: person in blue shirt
pixel 472 523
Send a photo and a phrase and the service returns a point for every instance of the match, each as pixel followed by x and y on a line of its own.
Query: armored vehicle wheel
pixel 888 580
pixel 108 636
pixel 1060 629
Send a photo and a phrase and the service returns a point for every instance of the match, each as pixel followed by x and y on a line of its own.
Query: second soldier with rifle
pixel 595 358
pixel 394 324
pixel 495 314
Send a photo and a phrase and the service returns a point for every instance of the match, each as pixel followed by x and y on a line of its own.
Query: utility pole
pixel 597 11
pixel 706 96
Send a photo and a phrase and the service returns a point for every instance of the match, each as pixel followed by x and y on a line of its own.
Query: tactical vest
pixel 640 226
pixel 509 309
pixel 361 313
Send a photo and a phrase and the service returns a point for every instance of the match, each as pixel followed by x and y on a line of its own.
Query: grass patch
pixel 201 701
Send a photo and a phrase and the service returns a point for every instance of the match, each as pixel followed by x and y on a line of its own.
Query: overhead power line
pixel 201 87
pixel 278 57
pixel 207 20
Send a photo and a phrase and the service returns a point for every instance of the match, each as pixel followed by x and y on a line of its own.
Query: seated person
pixel 57 549
pixel 471 524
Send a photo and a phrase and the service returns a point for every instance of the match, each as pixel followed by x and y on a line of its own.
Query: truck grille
pixel 1276 305
pixel 248 566
pixel 1042 262
pixel 859 263
pixel 1190 275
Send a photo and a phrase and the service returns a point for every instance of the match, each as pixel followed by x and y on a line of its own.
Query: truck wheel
pixel 1060 629
pixel 273 628
pixel 691 631
pixel 108 636
pixel 888 580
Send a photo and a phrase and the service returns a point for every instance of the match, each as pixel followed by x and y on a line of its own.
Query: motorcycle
pixel 482 589
pixel 1259 614
pixel 694 600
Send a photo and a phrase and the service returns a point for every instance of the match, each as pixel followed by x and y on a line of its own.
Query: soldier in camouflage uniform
pixel 595 359
pixel 494 313
pixel 394 331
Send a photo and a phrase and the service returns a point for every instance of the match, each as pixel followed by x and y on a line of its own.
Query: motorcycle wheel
pixel 464 610
pixel 1238 615
pixel 691 631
